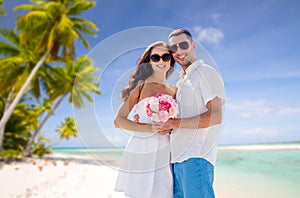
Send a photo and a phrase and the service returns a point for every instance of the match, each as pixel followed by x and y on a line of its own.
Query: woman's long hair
pixel 144 69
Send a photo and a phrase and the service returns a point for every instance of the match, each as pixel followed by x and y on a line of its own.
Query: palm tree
pixel 11 60
pixel 16 62
pixel 1 10
pixel 66 130
pixel 54 24
pixel 76 80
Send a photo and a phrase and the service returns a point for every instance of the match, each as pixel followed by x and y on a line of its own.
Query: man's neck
pixel 184 67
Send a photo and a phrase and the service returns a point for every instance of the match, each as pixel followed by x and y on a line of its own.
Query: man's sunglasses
pixel 164 57
pixel 183 45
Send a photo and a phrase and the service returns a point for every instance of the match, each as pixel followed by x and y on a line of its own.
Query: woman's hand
pixel 136 118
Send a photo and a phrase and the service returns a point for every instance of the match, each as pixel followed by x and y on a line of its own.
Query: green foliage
pixel 78 79
pixel 67 129
pixel 47 25
pixel 10 154
pixel 17 130
pixel 55 25
pixel 40 148
pixel 16 63
pixel 79 6
pixel 1 9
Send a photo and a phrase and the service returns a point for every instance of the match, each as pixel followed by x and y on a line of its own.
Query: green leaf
pixel 79 6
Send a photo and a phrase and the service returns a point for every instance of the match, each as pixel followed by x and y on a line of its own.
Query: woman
pixel 145 168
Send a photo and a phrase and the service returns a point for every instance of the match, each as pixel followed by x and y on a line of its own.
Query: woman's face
pixel 160 59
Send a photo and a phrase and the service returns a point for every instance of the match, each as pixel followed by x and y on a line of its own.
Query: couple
pixel 176 158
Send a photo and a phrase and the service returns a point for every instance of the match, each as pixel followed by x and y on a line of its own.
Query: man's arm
pixel 212 116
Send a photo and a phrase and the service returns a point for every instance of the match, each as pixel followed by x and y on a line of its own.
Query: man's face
pixel 182 50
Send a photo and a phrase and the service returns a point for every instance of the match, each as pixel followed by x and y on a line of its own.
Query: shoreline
pixel 267 146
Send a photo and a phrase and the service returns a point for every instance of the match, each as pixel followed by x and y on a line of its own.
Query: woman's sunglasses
pixel 183 45
pixel 164 57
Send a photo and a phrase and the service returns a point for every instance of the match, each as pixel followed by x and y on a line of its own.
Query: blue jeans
pixel 193 178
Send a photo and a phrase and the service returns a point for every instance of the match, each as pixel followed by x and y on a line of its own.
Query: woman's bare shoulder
pixel 173 87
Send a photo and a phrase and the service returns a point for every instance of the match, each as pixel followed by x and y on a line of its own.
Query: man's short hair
pixel 181 31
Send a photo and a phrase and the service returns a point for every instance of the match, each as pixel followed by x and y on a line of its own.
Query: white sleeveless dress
pixel 145 170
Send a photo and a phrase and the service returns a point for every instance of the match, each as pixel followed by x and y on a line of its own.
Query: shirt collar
pixel 193 66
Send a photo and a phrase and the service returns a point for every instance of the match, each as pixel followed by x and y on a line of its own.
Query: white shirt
pixel 199 85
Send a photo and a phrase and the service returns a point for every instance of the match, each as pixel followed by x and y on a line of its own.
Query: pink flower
pixel 161 107
pixel 148 110
pixel 158 95
pixel 164 105
pixel 163 116
pixel 155 117
pixel 172 112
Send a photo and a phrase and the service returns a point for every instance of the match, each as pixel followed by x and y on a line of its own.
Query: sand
pixel 57 176
pixel 70 176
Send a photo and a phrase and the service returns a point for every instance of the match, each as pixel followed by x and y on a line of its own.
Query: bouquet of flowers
pixel 161 107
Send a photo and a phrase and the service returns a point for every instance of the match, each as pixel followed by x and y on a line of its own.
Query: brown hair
pixel 181 31
pixel 144 69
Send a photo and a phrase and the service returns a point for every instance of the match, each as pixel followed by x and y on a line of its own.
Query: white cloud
pixel 215 17
pixel 250 109
pixel 248 135
pixel 210 34
pixel 259 132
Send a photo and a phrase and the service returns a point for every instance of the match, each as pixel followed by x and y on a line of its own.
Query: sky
pixel 253 44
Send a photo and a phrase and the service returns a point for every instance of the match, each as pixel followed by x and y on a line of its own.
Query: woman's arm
pixel 121 120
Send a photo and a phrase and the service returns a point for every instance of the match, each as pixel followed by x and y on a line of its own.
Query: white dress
pixel 145 170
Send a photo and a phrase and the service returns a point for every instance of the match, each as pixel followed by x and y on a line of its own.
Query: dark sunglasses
pixel 183 45
pixel 164 57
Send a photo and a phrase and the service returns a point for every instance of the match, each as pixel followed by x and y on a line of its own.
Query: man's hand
pixel 160 132
pixel 156 126
pixel 170 124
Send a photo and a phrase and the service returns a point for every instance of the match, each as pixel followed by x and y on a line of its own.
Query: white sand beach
pixel 57 176
pixel 71 176
pixel 60 176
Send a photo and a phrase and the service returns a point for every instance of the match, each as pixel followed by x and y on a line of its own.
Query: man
pixel 200 97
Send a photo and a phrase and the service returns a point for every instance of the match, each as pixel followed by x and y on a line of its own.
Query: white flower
pixel 154 104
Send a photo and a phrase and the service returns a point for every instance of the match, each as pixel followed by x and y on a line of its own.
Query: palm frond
pixel 8 50
pixel 83 40
pixel 84 22
pixel 27 7
pixel 10 36
pixel 79 6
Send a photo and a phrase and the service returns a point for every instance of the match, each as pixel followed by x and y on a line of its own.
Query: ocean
pixel 260 173
pixel 253 173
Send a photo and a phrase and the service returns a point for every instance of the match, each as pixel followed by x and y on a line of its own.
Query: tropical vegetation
pixel 38 68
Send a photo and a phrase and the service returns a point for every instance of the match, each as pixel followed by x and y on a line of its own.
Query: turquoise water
pixel 269 173
pixel 107 156
pixel 268 162
pixel 274 173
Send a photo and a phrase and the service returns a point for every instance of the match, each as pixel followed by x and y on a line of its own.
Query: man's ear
pixel 193 45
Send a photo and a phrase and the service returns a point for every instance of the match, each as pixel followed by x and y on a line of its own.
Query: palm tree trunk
pixel 9 99
pixel 7 103
pixel 11 108
pixel 38 130
pixel 54 144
